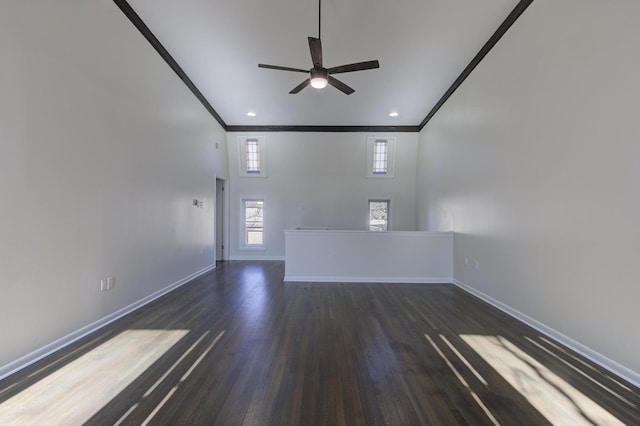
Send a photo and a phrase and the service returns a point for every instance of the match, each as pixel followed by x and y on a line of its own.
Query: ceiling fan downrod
pixel 319 18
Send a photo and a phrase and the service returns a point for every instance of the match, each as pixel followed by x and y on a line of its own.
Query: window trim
pixel 242 163
pixel 379 200
pixel 243 227
pixel 391 150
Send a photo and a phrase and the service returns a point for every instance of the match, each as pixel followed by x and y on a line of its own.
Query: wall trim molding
pixel 70 338
pixel 596 357
pixel 373 280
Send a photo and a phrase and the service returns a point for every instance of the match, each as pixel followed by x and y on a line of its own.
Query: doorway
pixel 220 221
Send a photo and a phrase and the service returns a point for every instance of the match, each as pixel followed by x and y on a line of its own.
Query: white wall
pixel 535 163
pixel 368 256
pixel 102 150
pixel 318 179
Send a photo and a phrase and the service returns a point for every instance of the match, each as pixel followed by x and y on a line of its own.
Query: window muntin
pixel 380 156
pixel 379 215
pixel 253 223
pixel 252 155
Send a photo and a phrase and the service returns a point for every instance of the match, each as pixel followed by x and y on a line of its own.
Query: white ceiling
pixel 422 46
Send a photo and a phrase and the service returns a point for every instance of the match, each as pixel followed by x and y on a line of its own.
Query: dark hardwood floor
pixel 253 350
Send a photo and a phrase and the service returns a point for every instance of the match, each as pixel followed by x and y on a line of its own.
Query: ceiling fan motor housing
pixel 319 73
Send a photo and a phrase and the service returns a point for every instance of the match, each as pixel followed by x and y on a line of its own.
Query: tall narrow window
pixel 380 156
pixel 380 151
pixel 252 155
pixel 379 215
pixel 253 223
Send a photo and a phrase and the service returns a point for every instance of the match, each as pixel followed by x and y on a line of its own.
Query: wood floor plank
pixel 257 351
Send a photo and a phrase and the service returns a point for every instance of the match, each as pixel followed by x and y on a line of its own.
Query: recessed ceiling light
pixel 393 114
pixel 251 114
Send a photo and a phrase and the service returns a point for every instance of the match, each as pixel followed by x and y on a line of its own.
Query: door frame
pixel 221 213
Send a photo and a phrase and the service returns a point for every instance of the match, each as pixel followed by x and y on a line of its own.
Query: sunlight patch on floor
pixel 75 392
pixel 184 377
pixel 461 379
pixel 552 396
pixel 583 374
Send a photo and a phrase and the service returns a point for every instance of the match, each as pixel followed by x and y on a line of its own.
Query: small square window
pixel 379 215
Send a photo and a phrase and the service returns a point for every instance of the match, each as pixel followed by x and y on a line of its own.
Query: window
pixel 252 156
pixel 253 223
pixel 380 147
pixel 380 156
pixel 379 215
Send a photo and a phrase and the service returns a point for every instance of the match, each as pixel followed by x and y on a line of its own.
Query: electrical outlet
pixel 107 283
pixel 476 265
pixel 466 261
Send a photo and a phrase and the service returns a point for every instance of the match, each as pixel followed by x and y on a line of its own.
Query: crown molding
pixel 135 19
pixel 497 35
pixel 382 129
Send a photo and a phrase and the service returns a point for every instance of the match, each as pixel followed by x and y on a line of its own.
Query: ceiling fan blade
pixel 360 66
pixel 315 46
pixel 340 86
pixel 300 86
pixel 277 67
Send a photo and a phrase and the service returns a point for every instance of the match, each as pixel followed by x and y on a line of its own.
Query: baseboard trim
pixel 256 257
pixel 596 357
pixel 398 280
pixel 70 338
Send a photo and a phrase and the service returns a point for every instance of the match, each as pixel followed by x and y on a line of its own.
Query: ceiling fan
pixel 320 76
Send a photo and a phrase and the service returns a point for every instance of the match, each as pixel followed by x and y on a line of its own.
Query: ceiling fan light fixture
pixel 319 78
pixel 319 83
